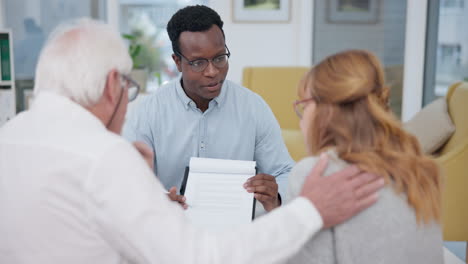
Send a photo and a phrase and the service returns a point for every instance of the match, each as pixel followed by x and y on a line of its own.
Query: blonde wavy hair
pixel 353 117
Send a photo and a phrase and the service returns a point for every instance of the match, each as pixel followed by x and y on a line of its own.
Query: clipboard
pixel 184 185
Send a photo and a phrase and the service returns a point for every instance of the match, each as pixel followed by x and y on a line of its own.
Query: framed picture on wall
pixel 353 11
pixel 261 11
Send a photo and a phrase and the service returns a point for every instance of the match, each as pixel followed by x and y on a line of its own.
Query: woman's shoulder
pixel 304 166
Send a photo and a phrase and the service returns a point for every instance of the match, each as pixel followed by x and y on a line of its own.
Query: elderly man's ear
pixel 112 88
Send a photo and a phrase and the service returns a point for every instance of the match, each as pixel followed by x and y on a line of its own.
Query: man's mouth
pixel 213 87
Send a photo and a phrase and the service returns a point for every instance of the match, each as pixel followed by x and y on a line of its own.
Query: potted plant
pixel 139 73
pixel 146 55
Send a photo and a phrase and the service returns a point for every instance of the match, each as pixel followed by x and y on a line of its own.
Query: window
pixel 31 21
pixel 447 54
pixel 453 3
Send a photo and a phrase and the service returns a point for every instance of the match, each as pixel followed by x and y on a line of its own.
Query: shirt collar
pixel 181 94
pixel 187 101
pixel 221 98
pixel 61 105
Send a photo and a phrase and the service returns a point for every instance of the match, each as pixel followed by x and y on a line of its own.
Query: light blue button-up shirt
pixel 238 124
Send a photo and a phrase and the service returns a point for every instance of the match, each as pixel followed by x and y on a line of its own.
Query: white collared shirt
pixel 72 192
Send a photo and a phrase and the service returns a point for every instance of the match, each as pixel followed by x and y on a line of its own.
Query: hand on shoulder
pixel 341 195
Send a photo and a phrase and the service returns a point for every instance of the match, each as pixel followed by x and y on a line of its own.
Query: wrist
pixel 272 205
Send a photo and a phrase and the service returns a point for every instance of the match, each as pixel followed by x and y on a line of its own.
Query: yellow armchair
pixel 453 160
pixel 278 87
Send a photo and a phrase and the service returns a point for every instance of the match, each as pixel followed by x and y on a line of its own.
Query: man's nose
pixel 211 70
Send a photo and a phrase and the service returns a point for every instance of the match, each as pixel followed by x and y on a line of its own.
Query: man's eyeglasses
pixel 200 65
pixel 300 105
pixel 132 86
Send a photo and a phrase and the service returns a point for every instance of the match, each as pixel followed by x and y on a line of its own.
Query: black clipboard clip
pixel 184 181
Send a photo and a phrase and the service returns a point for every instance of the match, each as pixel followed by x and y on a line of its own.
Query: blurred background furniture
pixel 278 87
pixel 453 159
pixel 442 130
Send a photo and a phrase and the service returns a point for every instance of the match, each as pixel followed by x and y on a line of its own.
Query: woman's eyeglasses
pixel 300 105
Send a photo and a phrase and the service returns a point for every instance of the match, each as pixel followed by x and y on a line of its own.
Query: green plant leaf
pixel 128 36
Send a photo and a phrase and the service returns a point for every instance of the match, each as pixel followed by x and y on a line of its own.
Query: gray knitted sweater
pixel 387 232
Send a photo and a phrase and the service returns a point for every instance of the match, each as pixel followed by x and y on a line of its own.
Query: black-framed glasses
pixel 132 86
pixel 200 65
pixel 300 105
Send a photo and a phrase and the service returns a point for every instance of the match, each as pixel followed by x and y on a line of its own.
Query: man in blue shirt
pixel 204 115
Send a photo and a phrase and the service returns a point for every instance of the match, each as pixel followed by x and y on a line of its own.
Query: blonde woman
pixel 344 112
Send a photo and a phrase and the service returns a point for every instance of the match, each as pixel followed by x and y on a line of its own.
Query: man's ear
pixel 112 87
pixel 177 61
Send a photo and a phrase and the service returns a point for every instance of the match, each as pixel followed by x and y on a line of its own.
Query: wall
pixel 268 44
pixel 394 19
pixel 291 43
pixel 331 38
pixel 385 38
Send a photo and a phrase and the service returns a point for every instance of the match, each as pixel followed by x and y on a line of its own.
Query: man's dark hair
pixel 197 18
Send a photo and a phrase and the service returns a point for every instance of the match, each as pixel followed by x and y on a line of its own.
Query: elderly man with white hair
pixel 73 191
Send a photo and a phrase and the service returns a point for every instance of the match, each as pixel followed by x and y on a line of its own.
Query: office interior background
pixel 423 44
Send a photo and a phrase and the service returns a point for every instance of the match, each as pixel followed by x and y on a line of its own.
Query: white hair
pixel 77 58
